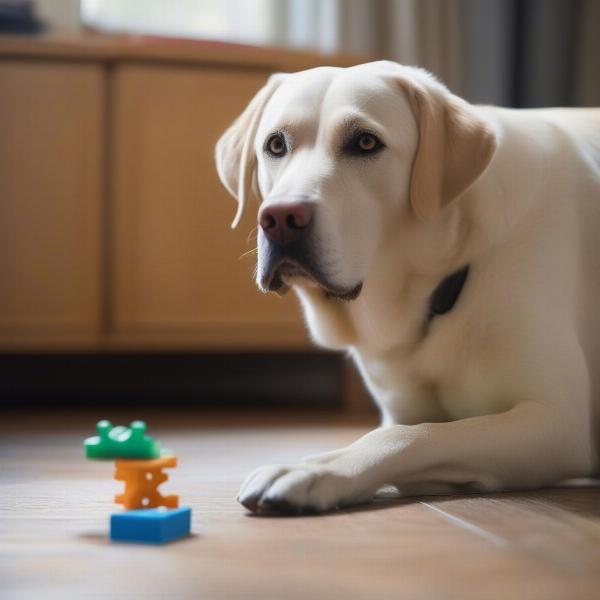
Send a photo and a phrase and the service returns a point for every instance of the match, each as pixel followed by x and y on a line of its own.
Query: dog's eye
pixel 367 143
pixel 275 145
pixel 363 143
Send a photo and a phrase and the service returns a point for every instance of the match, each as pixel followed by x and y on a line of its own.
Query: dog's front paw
pixel 300 488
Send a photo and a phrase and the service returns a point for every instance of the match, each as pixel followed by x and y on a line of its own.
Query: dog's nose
pixel 286 223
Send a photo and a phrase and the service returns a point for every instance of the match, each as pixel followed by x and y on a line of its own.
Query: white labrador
pixel 454 251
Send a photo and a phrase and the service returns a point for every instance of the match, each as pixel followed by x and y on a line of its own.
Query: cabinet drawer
pixel 176 264
pixel 51 149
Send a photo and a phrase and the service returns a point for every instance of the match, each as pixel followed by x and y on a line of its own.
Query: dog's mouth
pixel 289 272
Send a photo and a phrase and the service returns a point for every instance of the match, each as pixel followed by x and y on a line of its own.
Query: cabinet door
pixel 50 185
pixel 180 272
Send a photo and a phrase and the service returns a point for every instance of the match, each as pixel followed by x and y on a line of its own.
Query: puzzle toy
pixel 149 517
pixel 142 478
pixel 121 442
pixel 153 526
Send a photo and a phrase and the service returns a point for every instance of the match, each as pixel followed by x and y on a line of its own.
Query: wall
pixel 60 15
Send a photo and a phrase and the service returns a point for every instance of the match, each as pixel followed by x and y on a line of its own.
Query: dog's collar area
pixel 446 294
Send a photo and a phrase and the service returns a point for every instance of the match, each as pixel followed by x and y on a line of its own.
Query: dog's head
pixel 339 159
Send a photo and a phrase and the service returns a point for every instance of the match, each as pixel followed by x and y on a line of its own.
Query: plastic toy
pixel 142 478
pixel 121 442
pixel 138 462
pixel 154 526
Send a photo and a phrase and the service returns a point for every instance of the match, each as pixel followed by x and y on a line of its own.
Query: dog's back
pixel 577 159
pixel 584 126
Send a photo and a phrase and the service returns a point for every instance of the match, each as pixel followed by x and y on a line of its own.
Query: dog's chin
pixel 289 274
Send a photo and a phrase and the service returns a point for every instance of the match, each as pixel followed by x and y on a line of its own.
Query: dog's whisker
pixel 252 235
pixel 251 251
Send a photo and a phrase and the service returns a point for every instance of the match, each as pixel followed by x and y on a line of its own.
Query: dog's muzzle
pixel 287 249
pixel 280 264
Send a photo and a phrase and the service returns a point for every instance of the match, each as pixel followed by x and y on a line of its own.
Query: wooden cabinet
pixel 177 268
pixel 51 151
pixel 114 229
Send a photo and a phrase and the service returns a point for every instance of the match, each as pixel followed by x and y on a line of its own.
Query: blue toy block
pixel 150 525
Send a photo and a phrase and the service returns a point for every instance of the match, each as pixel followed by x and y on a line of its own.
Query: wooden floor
pixel 54 509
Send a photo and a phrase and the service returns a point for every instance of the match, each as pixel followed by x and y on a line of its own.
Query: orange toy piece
pixel 142 478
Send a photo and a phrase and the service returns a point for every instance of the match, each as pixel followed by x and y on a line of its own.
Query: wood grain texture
pixel 54 510
pixel 176 267
pixel 51 150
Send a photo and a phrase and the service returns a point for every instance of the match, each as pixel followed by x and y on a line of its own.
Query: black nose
pixel 286 223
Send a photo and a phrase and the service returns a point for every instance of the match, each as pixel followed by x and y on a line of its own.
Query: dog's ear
pixel 455 146
pixel 234 152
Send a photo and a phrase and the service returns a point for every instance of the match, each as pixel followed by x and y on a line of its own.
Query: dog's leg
pixel 525 447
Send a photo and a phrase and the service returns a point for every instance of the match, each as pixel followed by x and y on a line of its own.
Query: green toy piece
pixel 121 442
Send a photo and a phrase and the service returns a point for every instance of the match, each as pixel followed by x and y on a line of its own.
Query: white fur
pixel 503 392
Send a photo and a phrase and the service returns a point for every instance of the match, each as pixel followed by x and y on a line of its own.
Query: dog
pixel 453 251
